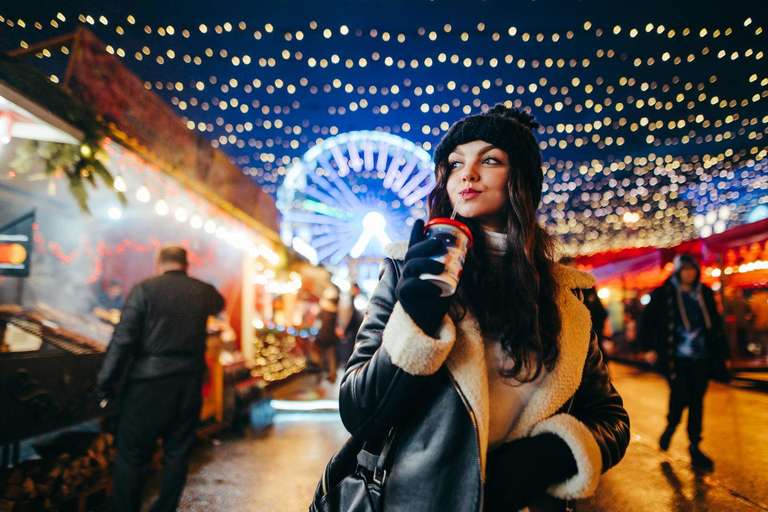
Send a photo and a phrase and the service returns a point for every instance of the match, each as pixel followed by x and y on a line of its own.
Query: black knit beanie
pixel 509 129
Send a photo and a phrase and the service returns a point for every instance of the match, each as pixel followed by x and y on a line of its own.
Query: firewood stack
pixel 58 478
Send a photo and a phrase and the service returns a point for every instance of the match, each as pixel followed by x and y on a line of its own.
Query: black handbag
pixel 362 489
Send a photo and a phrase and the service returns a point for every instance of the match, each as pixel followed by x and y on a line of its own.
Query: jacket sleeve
pixel 391 362
pixel 125 339
pixel 595 427
pixel 218 302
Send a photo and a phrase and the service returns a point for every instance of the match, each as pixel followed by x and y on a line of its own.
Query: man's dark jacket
pixel 163 328
pixel 662 317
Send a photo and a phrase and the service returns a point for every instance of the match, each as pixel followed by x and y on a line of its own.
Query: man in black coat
pixel 163 331
pixel 684 331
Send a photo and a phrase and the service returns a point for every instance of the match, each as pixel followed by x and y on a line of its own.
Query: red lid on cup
pixel 451 222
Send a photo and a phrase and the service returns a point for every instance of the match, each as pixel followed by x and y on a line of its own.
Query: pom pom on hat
pixel 521 116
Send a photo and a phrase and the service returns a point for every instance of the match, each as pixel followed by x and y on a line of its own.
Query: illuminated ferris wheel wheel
pixel 350 196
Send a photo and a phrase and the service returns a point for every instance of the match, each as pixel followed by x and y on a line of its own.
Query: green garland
pixel 80 165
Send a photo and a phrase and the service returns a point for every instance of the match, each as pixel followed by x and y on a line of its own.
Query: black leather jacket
pixel 438 462
pixel 163 328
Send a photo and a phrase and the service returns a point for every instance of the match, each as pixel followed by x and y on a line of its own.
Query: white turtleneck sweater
pixel 508 397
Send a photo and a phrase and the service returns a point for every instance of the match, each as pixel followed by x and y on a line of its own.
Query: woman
pixel 499 392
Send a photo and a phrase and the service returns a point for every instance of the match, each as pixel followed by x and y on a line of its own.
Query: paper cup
pixel 457 239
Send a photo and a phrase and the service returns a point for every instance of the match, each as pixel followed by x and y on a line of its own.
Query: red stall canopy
pixel 648 267
pixel 624 264
pixel 735 238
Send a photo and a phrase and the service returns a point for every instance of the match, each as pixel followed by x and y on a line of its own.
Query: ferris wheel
pixel 350 196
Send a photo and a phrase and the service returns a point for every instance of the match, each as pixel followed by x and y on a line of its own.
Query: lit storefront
pixel 102 205
pixel 734 263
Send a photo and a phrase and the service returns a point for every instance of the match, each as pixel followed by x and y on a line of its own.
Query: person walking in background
pixel 354 320
pixel 327 339
pixel 163 330
pixel 684 332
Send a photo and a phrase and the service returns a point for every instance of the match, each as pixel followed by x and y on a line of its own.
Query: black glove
pixel 421 299
pixel 520 471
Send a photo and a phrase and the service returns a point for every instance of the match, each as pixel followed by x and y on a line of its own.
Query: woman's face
pixel 478 173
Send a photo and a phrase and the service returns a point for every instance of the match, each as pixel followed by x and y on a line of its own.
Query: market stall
pixel 737 260
pixel 734 263
pixel 48 357
pixel 84 208
pixel 79 257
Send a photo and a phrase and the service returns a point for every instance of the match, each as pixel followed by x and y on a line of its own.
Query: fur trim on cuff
pixel 585 450
pixel 396 250
pixel 412 350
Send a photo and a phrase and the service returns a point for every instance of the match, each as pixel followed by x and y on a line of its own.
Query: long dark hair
pixel 514 299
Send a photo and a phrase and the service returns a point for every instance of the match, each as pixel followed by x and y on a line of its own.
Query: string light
pixel 161 207
pixel 633 149
pixel 119 184
pixel 94 256
pixel 143 195
pixel 130 166
pixel 180 214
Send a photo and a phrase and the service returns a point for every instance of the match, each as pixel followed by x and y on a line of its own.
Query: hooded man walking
pixel 683 328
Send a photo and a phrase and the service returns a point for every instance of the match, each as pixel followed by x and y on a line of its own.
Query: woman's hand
pixel 520 471
pixel 419 298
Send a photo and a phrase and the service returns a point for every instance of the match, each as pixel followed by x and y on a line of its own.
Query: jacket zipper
pixel 477 438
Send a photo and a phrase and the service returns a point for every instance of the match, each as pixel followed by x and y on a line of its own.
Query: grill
pixel 59 341
pixel 50 388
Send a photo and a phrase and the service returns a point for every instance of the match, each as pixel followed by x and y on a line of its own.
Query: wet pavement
pixel 277 468
pixel 272 469
pixel 647 479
